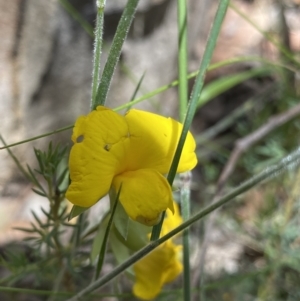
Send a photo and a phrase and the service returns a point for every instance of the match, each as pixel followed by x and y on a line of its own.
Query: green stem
pixel 137 88
pixel 185 211
pixel 289 162
pixel 76 16
pixel 115 52
pixel 194 74
pixel 19 290
pixel 183 97
pixel 182 58
pixel 57 282
pixel 192 106
pixel 17 162
pixel 211 286
pixel 158 91
pixel 97 51
pixel 39 136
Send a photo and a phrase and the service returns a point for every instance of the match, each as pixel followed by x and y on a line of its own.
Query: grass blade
pixel 192 106
pixel 182 58
pixel 115 52
pixel 136 90
pixel 76 16
pixel 183 97
pixel 97 51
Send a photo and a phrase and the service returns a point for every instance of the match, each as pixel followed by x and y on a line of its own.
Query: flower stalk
pixel 97 50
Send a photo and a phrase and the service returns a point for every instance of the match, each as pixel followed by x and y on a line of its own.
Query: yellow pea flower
pixel 134 150
pixel 161 266
pixel 156 269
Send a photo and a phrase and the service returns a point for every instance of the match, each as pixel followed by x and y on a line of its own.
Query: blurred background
pixel 46 54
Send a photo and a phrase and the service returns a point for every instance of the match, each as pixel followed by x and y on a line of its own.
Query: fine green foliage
pixel 53 243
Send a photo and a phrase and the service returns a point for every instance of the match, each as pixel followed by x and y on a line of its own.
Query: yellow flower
pixel 156 269
pixel 134 150
pixel 161 266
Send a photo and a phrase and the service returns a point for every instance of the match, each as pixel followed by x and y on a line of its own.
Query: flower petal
pixel 154 140
pixel 96 156
pixel 172 220
pixel 145 195
pixel 156 269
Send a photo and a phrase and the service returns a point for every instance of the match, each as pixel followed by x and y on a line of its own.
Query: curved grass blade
pixel 222 85
pixel 76 16
pixel 136 90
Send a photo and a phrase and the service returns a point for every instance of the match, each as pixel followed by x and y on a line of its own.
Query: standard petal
pixel 154 140
pixel 101 141
pixel 145 195
pixel 156 269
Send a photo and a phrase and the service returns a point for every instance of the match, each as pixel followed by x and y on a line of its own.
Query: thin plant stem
pixel 97 51
pixel 183 97
pixel 156 92
pixel 57 283
pixel 182 57
pixel 90 31
pixel 115 52
pixel 68 127
pixel 223 84
pixel 137 88
pixel 185 191
pixel 211 286
pixel 192 75
pixel 17 162
pixel 289 162
pixel 76 16
pixel 192 106
pixel 129 73
pixel 9 289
